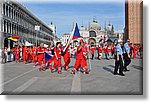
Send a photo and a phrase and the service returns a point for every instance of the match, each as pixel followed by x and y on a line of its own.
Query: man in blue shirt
pixel 119 59
pixel 126 55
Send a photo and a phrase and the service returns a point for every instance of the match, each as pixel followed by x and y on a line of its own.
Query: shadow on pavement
pixel 137 67
pixel 111 66
pixel 108 69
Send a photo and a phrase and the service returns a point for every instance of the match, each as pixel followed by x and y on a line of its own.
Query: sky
pixel 63 14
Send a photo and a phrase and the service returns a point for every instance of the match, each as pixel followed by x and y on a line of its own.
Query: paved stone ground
pixel 24 79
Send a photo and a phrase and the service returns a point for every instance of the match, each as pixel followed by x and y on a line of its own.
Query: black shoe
pixel 115 73
pixel 121 74
pixel 72 72
pixel 87 72
pixel 126 70
pixel 60 72
pixel 52 70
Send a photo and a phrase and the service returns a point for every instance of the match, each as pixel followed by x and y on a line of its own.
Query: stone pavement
pixel 24 79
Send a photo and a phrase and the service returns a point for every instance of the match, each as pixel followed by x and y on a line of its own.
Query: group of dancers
pixel 37 54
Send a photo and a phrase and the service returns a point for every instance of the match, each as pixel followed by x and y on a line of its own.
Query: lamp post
pixel 37 28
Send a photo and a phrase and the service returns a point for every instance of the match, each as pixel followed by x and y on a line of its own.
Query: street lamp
pixel 37 28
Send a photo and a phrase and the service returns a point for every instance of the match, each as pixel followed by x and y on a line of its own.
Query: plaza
pixel 24 79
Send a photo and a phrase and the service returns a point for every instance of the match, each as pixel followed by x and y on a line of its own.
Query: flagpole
pixel 89 62
pixel 69 39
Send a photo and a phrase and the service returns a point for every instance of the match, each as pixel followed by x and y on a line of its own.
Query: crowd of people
pixel 32 54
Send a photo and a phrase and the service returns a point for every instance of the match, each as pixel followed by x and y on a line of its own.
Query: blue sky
pixel 64 14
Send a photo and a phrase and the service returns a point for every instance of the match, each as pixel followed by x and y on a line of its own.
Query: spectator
pixel 141 51
pixel 5 55
pixel 108 50
pixel 99 52
pixel 92 51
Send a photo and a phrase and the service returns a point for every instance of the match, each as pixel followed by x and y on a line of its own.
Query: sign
pixel 85 34
pixel 37 27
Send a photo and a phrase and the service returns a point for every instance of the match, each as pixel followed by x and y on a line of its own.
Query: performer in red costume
pixel 30 53
pixel 41 59
pixel 80 59
pixel 108 50
pixel 135 51
pixel 24 54
pixel 34 55
pixel 50 51
pixel 92 51
pixel 66 55
pixel 99 52
pixel 17 54
pixel 57 57
pixel 105 51
pixel 113 49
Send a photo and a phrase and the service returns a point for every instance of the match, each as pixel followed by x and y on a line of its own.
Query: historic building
pixel 65 38
pixel 15 19
pixel 94 34
pixel 134 21
pixel 53 27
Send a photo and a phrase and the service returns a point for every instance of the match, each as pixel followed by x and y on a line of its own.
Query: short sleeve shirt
pixel 119 49
pixel 126 47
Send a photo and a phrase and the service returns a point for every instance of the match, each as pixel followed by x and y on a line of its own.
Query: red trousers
pixel 25 57
pixel 80 62
pixel 34 58
pixel 57 63
pixel 29 57
pixel 67 61
pixel 50 63
pixel 41 60
pixel 135 53
pixel 17 57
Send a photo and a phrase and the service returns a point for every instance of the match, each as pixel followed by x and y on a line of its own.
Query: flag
pixel 76 33
pixel 47 56
pixel 13 39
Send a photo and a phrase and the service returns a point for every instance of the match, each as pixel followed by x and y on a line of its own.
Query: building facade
pixel 134 21
pixel 95 35
pixel 53 27
pixel 15 20
pixel 65 38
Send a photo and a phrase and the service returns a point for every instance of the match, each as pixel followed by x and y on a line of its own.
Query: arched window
pixel 92 33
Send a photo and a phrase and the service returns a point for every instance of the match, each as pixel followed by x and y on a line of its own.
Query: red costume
pixel 92 50
pixel 57 60
pixel 141 48
pixel 34 56
pixel 17 54
pixel 41 59
pixel 66 57
pixel 50 60
pixel 108 49
pixel 135 50
pixel 25 56
pixel 99 49
pixel 80 60
pixel 30 54
pixel 113 48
